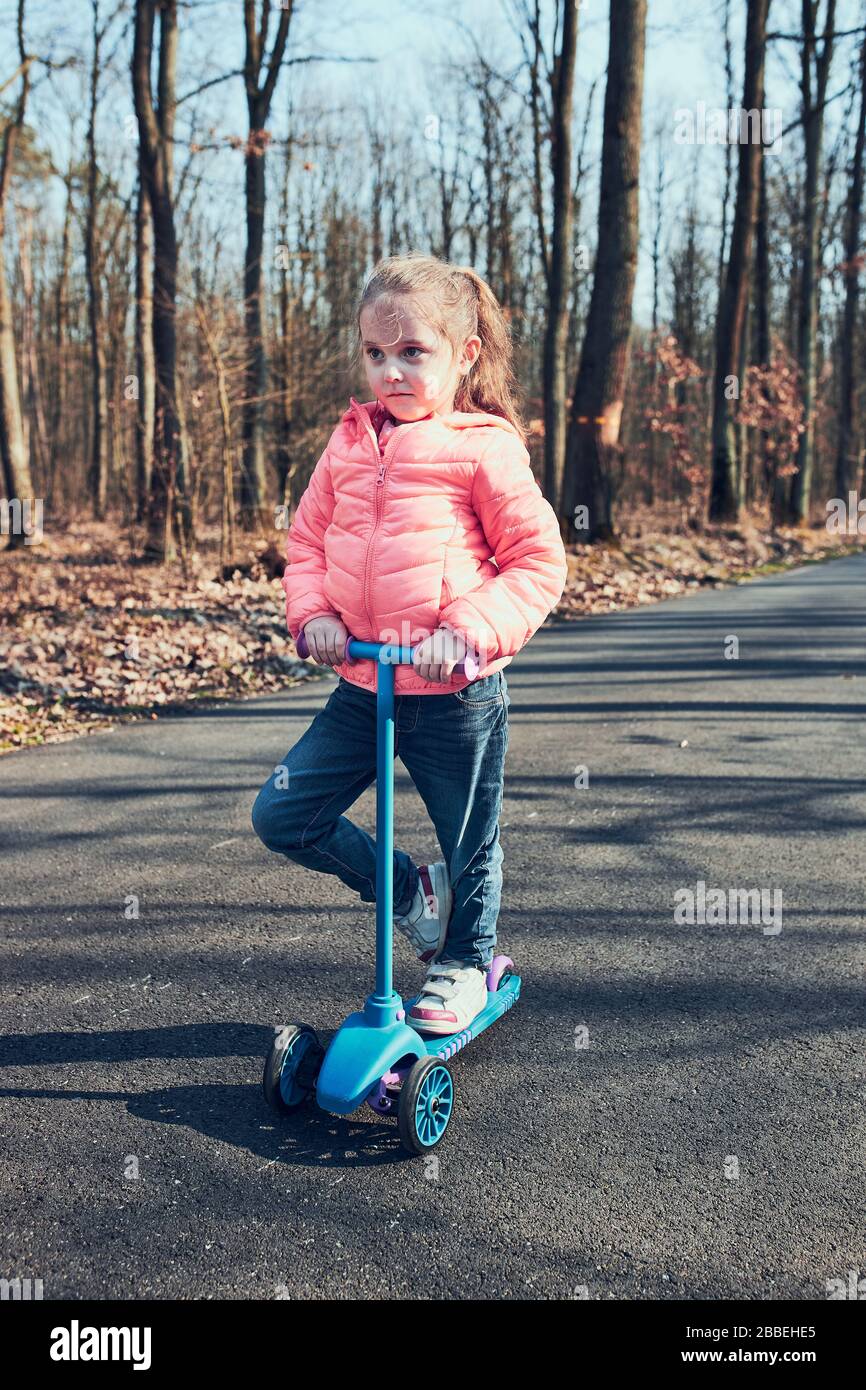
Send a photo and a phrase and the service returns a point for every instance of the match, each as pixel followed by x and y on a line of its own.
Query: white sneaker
pixel 453 995
pixel 426 922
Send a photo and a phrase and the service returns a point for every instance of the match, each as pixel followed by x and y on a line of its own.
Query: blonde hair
pixel 459 304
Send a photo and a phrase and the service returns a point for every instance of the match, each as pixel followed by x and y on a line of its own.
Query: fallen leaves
pixel 89 637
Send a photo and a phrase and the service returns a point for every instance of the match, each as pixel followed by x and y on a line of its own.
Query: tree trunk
pixel 17 480
pixel 488 163
pixel 117 292
pixel 285 412
pixel 253 481
pixel 98 472
pixel 807 326
pixel 658 210
pixel 725 488
pixel 848 447
pixel 32 394
pixel 18 484
pixel 156 163
pixel 227 523
pixel 596 412
pixel 561 251
pixel 726 196
pixel 61 318
pixel 253 490
pixel 743 429
pixel 145 413
pixel 774 486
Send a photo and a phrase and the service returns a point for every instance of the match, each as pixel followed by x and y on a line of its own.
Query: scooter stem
pixel 388 656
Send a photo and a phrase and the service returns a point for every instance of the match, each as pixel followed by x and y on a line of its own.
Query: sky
pixel 390 54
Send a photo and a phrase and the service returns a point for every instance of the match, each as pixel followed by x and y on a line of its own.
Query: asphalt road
pixel 671 1111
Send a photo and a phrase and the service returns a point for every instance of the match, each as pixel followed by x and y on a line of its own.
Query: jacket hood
pixel 365 414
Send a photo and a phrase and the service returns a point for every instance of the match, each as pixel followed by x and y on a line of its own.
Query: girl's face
pixel 410 368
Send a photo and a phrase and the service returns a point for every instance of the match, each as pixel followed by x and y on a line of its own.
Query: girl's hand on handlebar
pixel 326 638
pixel 435 658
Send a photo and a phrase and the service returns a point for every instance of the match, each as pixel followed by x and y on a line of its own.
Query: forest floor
pixel 90 639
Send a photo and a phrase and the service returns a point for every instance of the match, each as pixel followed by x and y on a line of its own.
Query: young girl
pixel 422 524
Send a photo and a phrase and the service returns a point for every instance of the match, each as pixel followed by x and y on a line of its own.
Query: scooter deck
pixel 497 1004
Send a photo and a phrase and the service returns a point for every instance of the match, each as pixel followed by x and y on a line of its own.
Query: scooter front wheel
pixel 426 1104
pixel 292 1067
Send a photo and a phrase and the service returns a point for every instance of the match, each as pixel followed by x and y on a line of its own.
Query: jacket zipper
pixel 378 498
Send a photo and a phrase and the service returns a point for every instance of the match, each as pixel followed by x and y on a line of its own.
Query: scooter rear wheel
pixel 292 1067
pixel 426 1104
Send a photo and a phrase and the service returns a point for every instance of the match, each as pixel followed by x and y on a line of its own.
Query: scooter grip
pixel 468 667
pixel 303 647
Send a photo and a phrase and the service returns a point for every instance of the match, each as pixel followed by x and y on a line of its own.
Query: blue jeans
pixel 453 747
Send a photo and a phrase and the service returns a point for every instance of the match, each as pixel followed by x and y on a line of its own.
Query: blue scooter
pixel 376 1056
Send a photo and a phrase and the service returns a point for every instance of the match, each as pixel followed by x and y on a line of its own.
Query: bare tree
pixel 31 375
pixel 725 485
pixel 98 487
pixel 557 258
pixel 551 96
pixel 597 405
pixel 814 75
pixel 156 136
pixel 259 96
pixel 773 484
pixel 658 207
pixel 729 91
pixel 849 449
pixel 18 483
pixel 61 318
pixel 212 336
pixel 145 367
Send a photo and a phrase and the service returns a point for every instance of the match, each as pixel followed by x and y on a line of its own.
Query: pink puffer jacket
pixel 446 527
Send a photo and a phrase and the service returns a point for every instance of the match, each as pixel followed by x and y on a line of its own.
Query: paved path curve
pixel 706 1141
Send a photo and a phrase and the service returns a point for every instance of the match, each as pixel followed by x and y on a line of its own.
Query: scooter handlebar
pixel 468 667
